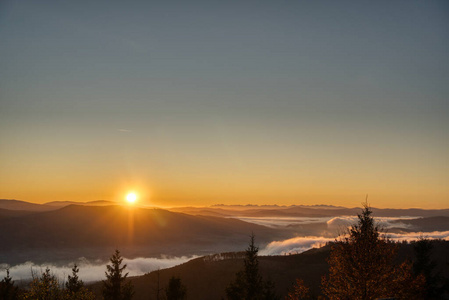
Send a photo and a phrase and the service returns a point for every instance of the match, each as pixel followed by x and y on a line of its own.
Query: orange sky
pixel 192 104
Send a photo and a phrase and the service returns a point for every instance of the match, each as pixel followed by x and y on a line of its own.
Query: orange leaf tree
pixel 362 266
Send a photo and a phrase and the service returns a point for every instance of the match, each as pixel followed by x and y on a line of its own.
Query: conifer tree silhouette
pixel 175 289
pixel 8 291
pixel 248 284
pixel 115 287
pixel 75 289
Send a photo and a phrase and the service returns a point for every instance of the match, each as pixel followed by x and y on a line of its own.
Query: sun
pixel 131 198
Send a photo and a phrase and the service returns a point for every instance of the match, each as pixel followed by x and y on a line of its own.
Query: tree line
pixel 116 286
pixel 362 265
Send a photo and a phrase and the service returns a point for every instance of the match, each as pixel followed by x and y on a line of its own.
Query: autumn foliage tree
pixel 300 291
pixel 362 266
pixel 45 287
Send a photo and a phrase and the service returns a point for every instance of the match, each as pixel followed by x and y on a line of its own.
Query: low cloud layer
pixel 301 244
pixel 295 245
pixel 411 236
pixel 92 271
pixel 333 223
pixel 341 223
pixel 276 222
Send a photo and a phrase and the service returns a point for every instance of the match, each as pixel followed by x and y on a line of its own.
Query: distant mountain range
pixel 242 210
pixel 64 231
pixel 12 204
pixel 75 230
pixel 305 211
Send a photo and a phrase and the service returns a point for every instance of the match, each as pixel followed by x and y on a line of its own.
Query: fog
pixel 295 245
pixel 276 222
pixel 95 270
pixel 332 222
pixel 92 270
pixel 301 244
pixel 383 222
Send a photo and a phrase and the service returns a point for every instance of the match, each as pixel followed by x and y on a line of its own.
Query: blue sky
pixel 205 102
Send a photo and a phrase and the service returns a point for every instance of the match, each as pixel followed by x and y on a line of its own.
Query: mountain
pixel 11 204
pixel 6 213
pixel 74 231
pixel 60 204
pixel 426 224
pixel 22 205
pixel 207 277
pixel 304 211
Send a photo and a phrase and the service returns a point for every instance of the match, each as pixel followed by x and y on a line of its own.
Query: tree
pixel 300 291
pixel 74 284
pixel 75 289
pixel 7 289
pixel 424 265
pixel 175 289
pixel 361 266
pixel 45 287
pixel 115 286
pixel 248 283
pixel 158 288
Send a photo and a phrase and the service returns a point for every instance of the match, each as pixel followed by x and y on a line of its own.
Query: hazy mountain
pixel 426 224
pixel 94 230
pixel 304 211
pixel 75 231
pixel 6 213
pixel 60 204
pixel 22 205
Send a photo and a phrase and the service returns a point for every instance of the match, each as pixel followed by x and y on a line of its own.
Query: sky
pixel 233 102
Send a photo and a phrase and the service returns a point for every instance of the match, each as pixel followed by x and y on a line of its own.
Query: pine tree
pixel 7 289
pixel 361 266
pixel 74 284
pixel 425 266
pixel 175 289
pixel 248 283
pixel 75 289
pixel 115 286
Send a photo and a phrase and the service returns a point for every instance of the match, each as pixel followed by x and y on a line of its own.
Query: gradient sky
pixel 205 102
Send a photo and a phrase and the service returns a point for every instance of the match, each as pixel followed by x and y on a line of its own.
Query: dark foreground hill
pixel 74 231
pixel 207 277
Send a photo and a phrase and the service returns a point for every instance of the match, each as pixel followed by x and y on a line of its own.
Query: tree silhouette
pixel 175 289
pixel 8 291
pixel 75 289
pixel 435 285
pixel 115 286
pixel 74 284
pixel 248 283
pixel 361 266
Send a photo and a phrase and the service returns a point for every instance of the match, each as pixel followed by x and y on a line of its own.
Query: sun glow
pixel 131 198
